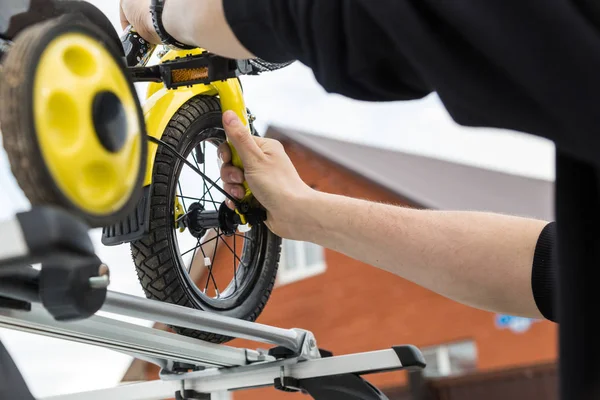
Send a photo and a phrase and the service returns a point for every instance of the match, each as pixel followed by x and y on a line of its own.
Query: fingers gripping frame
pixel 232 98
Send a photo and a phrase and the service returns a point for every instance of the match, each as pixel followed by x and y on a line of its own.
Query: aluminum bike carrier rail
pixel 171 314
pixel 159 347
pixel 255 376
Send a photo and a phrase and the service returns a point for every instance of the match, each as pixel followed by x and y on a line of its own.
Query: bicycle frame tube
pixel 232 98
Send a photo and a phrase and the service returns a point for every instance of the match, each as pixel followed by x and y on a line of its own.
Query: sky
pixel 286 98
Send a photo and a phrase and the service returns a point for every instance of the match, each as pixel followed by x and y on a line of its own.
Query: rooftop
pixel 432 183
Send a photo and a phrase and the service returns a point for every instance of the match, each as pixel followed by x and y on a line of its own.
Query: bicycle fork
pixel 232 98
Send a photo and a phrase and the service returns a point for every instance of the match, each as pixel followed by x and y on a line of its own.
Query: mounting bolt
pixel 102 280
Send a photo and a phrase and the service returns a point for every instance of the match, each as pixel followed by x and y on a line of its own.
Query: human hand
pixel 137 14
pixel 270 174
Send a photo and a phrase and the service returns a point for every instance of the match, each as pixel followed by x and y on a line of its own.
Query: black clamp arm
pixel 72 282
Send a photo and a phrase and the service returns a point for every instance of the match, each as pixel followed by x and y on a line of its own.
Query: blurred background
pixel 406 153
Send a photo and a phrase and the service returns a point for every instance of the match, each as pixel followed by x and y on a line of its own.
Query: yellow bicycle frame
pixel 162 104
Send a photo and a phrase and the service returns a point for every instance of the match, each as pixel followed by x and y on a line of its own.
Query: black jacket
pixel 527 65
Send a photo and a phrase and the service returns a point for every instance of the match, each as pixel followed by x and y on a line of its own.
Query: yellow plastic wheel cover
pixel 72 70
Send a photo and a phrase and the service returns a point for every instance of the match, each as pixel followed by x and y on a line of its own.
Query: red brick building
pixel 353 307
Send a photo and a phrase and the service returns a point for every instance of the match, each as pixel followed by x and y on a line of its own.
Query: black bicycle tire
pixel 156 267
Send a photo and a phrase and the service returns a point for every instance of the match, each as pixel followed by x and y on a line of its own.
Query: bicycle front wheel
pixel 188 258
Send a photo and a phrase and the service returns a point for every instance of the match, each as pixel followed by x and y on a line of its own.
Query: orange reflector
pixel 183 75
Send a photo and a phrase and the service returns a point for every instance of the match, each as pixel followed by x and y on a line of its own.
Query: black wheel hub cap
pixel 110 121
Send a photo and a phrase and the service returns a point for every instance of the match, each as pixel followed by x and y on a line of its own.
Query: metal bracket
pixel 286 383
pixel 309 350
pixel 184 394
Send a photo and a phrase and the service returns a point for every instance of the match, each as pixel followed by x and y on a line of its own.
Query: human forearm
pixel 479 259
pixel 203 24
pixel 195 23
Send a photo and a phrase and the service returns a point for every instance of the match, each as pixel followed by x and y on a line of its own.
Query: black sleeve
pixel 544 273
pixel 526 65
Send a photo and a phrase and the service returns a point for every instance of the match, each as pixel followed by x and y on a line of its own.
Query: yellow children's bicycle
pixel 77 137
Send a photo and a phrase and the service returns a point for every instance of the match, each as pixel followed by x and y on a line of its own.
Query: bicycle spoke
pixel 234 264
pixel 235 255
pixel 194 198
pixel 208 278
pixel 190 250
pixel 174 151
pixel 188 198
pixel 212 262
pixel 211 187
pixel 182 197
pixel 213 201
pixel 207 197
pixel 194 256
pixel 182 217
pixel 207 191
pixel 204 171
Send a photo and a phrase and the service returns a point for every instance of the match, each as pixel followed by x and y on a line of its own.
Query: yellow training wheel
pixel 71 121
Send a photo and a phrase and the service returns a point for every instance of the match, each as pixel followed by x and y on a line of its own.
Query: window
pixel 299 260
pixel 450 359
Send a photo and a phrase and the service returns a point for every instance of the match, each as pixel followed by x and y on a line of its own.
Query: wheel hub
pixel 110 121
pixel 199 221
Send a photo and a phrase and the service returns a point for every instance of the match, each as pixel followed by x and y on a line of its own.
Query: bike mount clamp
pixel 307 351
pixel 189 394
pixel 75 289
